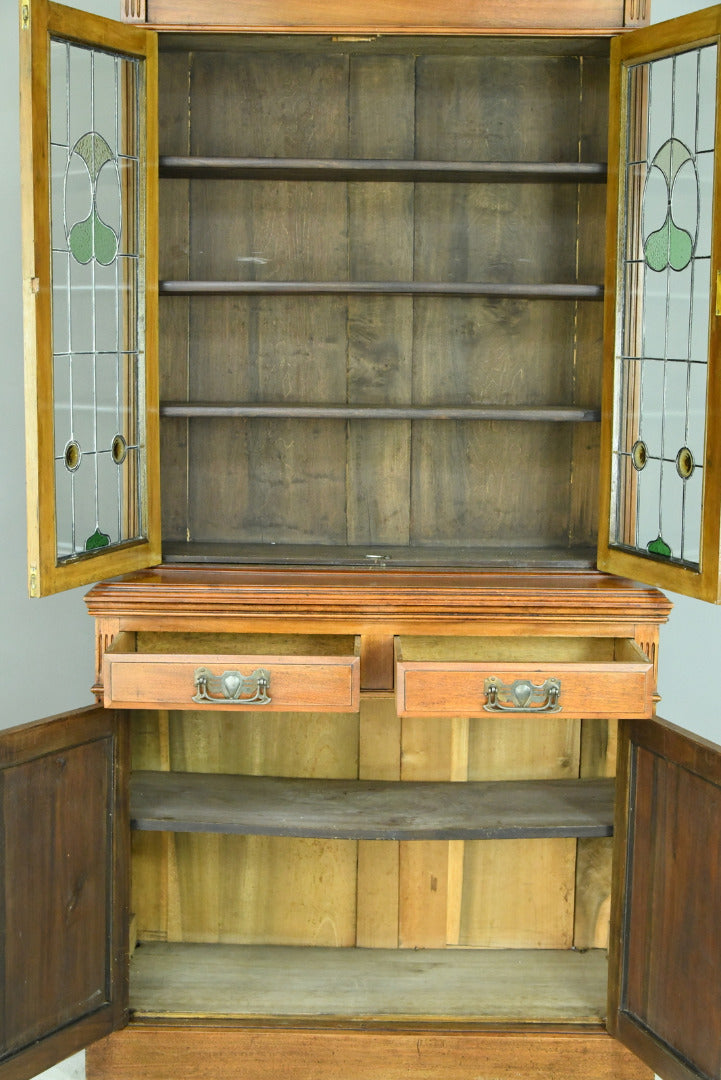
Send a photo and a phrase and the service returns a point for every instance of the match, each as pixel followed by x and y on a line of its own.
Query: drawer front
pixel 267 683
pixel 581 691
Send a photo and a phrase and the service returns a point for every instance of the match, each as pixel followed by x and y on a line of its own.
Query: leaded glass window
pixel 97 281
pixel 664 322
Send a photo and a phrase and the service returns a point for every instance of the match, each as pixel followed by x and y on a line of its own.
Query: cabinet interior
pixel 380 317
pixel 380 341
pixel 443 869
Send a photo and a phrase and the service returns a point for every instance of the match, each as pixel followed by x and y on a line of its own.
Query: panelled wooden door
pixel 665 990
pixel 64 837
pixel 88 96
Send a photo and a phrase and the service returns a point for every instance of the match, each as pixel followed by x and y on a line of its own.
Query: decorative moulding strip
pixel 390 16
pixel 556 597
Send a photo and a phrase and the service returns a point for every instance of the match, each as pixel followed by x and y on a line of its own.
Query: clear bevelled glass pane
pixel 650 425
pixel 666 287
pixel 696 437
pixel 109 418
pixel 58 167
pixel 64 510
pixel 61 303
pixel 693 497
pixel 78 95
pixel 107 307
pixel 678 313
pixel 84 400
pixel 676 407
pixel 110 497
pixel 58 92
pixel 659 114
pixel 63 427
pixel 95 208
pixel 82 307
pixel 701 300
pixel 85 498
pixel 671 516
pixel 648 481
pixel 706 126
pixel 704 171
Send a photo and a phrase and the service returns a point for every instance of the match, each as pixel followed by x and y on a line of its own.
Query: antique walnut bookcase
pixel 372 295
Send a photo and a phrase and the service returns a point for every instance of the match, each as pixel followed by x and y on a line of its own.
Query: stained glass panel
pixel 97 271
pixel 665 281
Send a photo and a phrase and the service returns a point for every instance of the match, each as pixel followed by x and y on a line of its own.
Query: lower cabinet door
pixel 665 986
pixel 64 838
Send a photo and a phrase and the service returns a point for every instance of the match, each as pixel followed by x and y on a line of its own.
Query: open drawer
pixel 274 673
pixel 583 678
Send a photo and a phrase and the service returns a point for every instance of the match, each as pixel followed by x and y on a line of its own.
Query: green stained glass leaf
pixel 97 540
pixel 668 246
pixel 659 547
pixel 92 238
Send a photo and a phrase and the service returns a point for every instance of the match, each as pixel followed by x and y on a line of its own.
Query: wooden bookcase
pixel 360 728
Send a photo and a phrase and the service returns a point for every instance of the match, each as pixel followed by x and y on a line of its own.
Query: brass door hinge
pixel 24 16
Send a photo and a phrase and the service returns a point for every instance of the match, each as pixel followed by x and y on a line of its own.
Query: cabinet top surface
pixel 552 596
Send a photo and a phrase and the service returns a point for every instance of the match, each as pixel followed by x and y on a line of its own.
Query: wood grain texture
pixel 400 17
pixel 618 681
pixel 268 253
pixel 520 894
pixel 665 928
pixel 418 601
pixel 226 888
pixel 64 896
pixel 369 809
pixel 379 757
pixel 369 984
pixel 165 677
pixel 152 1052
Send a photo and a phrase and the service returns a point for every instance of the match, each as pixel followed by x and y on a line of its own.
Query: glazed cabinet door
pixel 89 185
pixel 63 887
pixel 661 444
pixel 665 984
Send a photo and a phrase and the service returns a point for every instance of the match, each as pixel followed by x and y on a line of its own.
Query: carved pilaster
pixel 133 10
pixel 105 632
pixel 646 636
pixel 636 12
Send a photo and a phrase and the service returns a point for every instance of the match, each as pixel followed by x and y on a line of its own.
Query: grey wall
pixel 46 646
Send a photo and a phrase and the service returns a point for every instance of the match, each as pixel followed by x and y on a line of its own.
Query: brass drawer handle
pixel 232 687
pixel 522 696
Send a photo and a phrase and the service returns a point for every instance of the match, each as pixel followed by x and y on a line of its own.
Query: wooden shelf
pixel 382 288
pixel 494 985
pixel 553 413
pixel 370 810
pixel 236 168
pixel 509 554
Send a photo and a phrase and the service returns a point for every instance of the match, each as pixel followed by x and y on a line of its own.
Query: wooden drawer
pixel 275 673
pixel 582 678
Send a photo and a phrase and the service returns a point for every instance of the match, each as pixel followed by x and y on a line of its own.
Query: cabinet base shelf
pixel 290 983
